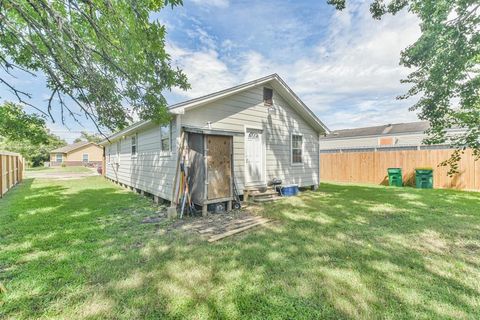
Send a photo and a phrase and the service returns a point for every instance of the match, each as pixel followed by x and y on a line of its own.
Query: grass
pixel 73 169
pixel 77 250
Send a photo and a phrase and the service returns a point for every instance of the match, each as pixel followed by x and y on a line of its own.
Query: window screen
pixel 297 143
pixel 134 145
pixel 119 150
pixel 166 137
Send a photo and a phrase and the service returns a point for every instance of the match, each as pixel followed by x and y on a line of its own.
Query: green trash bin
pixel 395 177
pixel 424 178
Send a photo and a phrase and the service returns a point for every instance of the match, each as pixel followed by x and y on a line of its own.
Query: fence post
pixel 8 173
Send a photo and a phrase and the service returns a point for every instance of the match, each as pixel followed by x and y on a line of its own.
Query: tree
pixel 26 134
pixel 17 125
pixel 35 155
pixel 85 136
pixel 101 54
pixel 446 62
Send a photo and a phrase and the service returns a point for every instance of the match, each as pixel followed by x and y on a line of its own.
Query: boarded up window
pixel 386 141
pixel 267 96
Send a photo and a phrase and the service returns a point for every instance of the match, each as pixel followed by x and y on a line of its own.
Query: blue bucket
pixel 289 190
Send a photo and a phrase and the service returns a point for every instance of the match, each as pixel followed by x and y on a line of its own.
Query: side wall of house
pixel 236 112
pixel 95 153
pixel 151 170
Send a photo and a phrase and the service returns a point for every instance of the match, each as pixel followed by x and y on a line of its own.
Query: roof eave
pixel 126 131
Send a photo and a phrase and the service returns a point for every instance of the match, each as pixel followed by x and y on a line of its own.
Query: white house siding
pixel 246 108
pixel 151 170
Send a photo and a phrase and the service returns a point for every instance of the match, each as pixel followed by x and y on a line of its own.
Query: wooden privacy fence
pixel 11 170
pixel 371 167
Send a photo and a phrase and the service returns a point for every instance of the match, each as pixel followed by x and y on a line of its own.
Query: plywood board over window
pixel 219 167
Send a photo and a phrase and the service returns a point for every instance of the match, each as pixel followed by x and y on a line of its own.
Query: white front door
pixel 254 156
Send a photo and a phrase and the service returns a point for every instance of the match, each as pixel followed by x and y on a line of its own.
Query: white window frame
pixel 170 136
pixel 61 157
pixel 135 136
pixel 301 148
pixel 119 151
pixel 83 157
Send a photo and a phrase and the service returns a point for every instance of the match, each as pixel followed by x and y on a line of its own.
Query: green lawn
pixel 77 250
pixel 75 169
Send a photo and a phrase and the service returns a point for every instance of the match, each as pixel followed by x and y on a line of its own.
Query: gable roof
pixel 274 80
pixel 72 147
pixel 387 129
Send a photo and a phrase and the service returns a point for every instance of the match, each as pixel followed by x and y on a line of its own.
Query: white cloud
pixel 206 72
pixel 350 79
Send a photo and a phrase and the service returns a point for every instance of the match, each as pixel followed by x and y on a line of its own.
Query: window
pixel 119 150
pixel 166 137
pixel 85 157
pixel 59 157
pixel 267 96
pixel 134 144
pixel 297 148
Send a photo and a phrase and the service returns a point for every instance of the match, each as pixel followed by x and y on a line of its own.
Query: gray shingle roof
pixel 71 147
pixel 396 128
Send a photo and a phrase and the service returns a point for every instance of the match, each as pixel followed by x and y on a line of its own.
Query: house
pixel 77 154
pixel 241 137
pixel 397 136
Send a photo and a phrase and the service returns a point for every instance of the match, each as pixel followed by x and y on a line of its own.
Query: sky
pixel 343 64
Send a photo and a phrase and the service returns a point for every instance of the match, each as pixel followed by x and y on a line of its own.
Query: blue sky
pixel 344 65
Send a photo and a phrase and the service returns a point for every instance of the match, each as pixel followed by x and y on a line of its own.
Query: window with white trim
pixel 166 137
pixel 297 148
pixel 85 157
pixel 119 150
pixel 59 157
pixel 134 144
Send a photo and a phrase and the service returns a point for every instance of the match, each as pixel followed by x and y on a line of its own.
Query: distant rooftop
pixel 71 147
pixel 395 128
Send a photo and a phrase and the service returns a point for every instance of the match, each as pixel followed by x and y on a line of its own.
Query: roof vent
pixel 387 129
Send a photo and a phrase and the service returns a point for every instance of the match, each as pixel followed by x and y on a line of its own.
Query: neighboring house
pixel 398 136
pixel 247 135
pixel 77 154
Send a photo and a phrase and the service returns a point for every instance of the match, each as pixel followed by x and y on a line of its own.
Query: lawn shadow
pixel 342 252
